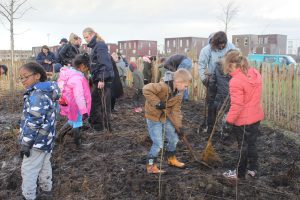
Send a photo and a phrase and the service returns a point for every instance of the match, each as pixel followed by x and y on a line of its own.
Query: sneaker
pixel 230 174
pixel 252 173
pixel 140 109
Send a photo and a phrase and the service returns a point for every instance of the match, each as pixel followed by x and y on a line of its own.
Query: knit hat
pixel 63 40
pixel 132 66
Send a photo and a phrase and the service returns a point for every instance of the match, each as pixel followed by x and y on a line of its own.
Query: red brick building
pixel 137 48
pixel 190 46
pixel 112 47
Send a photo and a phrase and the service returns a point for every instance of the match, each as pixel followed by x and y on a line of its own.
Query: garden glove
pixel 25 150
pixel 161 105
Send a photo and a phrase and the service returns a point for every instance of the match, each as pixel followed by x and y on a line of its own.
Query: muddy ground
pixel 112 165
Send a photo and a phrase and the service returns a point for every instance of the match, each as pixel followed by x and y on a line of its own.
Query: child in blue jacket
pixel 37 130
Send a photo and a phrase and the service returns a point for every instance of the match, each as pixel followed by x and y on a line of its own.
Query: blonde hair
pixel 91 31
pixel 237 58
pixel 73 38
pixel 182 75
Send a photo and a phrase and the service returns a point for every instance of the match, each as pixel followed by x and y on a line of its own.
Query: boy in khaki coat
pixel 163 116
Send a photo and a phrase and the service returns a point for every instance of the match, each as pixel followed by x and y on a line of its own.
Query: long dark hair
pixel 36 68
pixel 4 69
pixel 217 39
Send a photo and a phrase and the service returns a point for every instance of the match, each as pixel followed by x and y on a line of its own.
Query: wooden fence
pixel 281 92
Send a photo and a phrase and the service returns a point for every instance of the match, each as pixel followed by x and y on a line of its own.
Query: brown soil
pixel 112 165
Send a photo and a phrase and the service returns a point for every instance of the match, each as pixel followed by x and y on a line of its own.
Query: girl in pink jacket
pixel 76 96
pixel 245 113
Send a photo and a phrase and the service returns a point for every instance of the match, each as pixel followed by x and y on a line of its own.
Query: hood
pixel 50 88
pixel 93 42
pixel 253 76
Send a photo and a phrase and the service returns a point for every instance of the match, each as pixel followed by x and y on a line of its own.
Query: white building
pixel 292 46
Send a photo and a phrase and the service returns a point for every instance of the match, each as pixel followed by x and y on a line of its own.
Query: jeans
pixel 156 130
pixel 186 94
pixel 36 166
pixel 186 64
pixel 249 154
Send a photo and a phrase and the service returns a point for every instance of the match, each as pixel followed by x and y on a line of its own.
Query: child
pixel 245 111
pixel 219 84
pixel 76 96
pixel 163 116
pixel 138 84
pixel 37 130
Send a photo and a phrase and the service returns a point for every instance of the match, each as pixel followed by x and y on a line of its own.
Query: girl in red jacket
pixel 245 111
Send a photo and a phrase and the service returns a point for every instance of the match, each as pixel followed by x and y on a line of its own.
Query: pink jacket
pixel 75 89
pixel 245 96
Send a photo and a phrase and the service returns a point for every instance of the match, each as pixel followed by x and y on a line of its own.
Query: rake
pixel 209 154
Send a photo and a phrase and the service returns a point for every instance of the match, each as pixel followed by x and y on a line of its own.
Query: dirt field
pixel 112 165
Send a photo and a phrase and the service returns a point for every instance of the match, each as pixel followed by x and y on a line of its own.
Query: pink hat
pixel 146 59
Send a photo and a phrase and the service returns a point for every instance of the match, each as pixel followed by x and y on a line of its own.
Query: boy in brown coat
pixel 164 118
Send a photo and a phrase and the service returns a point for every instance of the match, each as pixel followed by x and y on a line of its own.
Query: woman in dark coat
pixel 46 58
pixel 116 86
pixel 69 50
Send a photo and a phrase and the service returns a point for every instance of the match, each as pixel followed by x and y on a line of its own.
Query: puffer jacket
pixel 37 128
pixel 157 92
pixel 219 84
pixel 245 96
pixel 75 89
pixel 67 53
pixel 101 64
pixel 41 57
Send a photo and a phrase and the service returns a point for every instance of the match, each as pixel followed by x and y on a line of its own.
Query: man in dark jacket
pixel 102 77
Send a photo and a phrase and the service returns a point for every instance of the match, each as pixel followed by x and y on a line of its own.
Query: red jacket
pixel 245 98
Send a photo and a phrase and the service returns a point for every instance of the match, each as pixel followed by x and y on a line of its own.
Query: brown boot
pixel 152 167
pixel 172 160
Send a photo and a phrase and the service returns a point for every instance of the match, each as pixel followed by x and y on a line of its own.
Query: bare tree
pixel 229 11
pixel 12 10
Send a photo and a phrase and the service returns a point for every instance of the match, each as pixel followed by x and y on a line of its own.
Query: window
pixel 149 44
pixel 174 43
pixel 129 45
pixel 168 50
pixel 180 43
pixel 237 40
pixel 187 43
pixel 120 46
pixel 149 53
pixel 134 51
pixel 168 43
pixel 246 41
pixel 260 40
pixel 125 45
pixel 134 45
pixel 266 40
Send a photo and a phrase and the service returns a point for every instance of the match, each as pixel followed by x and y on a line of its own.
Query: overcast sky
pixel 116 20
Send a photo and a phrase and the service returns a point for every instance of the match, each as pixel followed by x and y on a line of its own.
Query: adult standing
pixel 175 62
pixel 102 77
pixel 209 56
pixel 147 70
pixel 3 70
pixel 46 58
pixel 69 51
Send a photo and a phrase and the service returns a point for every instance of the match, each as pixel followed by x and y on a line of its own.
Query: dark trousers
pixel 249 154
pixel 138 98
pixel 113 102
pixel 101 107
pixel 211 109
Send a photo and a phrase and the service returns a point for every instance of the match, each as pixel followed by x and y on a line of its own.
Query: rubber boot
pixel 62 132
pixel 152 167
pixel 172 160
pixel 44 195
pixel 77 136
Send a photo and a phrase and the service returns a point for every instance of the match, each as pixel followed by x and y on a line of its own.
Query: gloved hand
pixel 205 82
pixel 161 105
pixel 25 150
pixel 85 116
